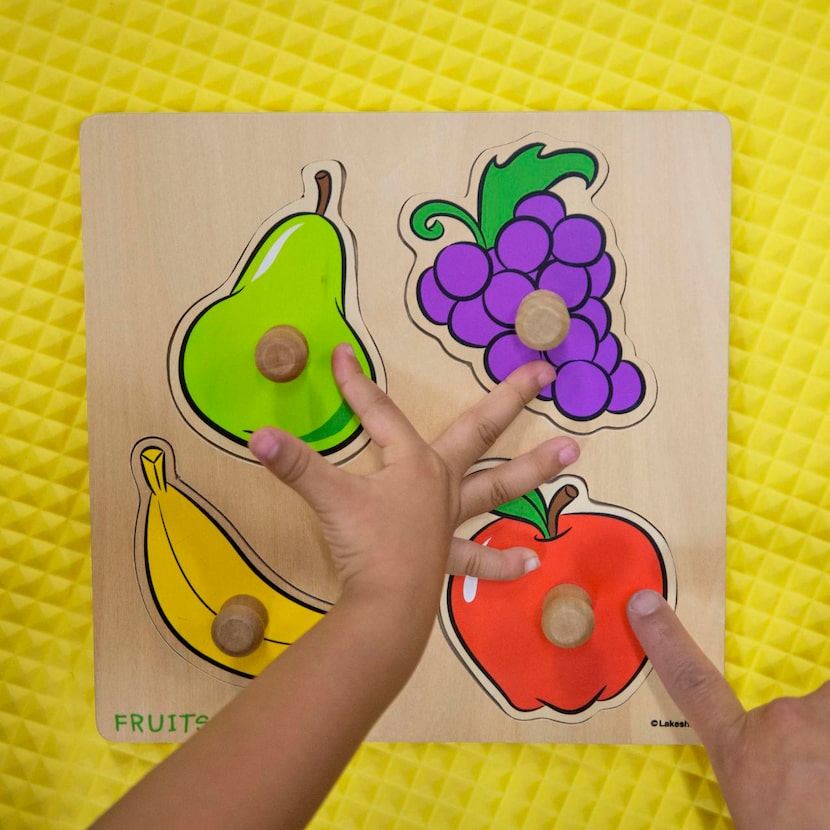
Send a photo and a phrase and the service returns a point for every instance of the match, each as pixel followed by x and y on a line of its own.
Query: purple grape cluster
pixel 476 293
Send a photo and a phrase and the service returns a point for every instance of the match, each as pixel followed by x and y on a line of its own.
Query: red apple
pixel 608 551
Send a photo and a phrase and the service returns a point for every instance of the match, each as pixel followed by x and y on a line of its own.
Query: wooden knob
pixel 542 320
pixel 239 627
pixel 567 616
pixel 281 353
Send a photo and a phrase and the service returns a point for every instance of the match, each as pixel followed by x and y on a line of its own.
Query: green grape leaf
pixel 530 508
pixel 528 170
pixel 425 222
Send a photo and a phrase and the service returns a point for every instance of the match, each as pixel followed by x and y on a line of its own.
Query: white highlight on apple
pixel 470 585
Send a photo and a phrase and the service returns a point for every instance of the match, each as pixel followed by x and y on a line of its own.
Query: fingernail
pixel 546 375
pixel 645 602
pixel 532 563
pixel 264 445
pixel 347 349
pixel 568 454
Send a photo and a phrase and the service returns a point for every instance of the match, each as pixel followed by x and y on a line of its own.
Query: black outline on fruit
pixel 305 279
pixel 575 173
pixel 522 696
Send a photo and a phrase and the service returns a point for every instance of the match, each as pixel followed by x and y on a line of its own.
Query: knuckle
pixel 380 406
pixel 499 494
pixel 488 431
pixel 473 562
pixel 296 467
pixel 690 678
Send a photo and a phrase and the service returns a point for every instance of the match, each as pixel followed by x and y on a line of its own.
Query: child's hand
pixel 395 527
pixel 279 746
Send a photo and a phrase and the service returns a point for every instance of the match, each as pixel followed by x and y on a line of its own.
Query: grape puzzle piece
pixel 193 567
pixel 496 628
pixel 256 350
pixel 531 231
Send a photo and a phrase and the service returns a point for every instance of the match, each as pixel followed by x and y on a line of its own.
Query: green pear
pixel 296 277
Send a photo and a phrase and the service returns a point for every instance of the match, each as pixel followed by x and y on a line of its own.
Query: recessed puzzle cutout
pixel 528 269
pixel 557 644
pixel 256 351
pixel 211 597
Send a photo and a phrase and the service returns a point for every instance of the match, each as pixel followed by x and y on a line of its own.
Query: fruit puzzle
pixel 227 254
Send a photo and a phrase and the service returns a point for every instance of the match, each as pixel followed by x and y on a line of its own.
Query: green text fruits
pixel 295 277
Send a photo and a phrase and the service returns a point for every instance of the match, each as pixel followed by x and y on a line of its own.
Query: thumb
pixel 294 463
pixel 690 678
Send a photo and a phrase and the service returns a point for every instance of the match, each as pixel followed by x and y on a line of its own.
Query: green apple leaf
pixel 528 170
pixel 529 508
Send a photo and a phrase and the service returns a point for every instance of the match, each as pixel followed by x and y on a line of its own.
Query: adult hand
pixel 421 494
pixel 773 762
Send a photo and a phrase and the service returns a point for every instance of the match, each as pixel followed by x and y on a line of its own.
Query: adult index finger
pixel 693 682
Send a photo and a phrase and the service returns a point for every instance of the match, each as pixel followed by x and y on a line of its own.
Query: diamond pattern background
pixel 765 64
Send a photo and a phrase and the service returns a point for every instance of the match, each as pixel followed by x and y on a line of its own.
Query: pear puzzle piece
pixel 257 350
pixel 534 274
pixel 593 557
pixel 196 572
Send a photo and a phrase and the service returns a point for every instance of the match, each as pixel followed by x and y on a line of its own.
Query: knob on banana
pixel 194 566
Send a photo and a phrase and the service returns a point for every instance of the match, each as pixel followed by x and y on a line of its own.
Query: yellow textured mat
pixel 765 64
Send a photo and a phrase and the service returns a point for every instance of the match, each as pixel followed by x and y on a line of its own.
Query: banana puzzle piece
pixel 197 569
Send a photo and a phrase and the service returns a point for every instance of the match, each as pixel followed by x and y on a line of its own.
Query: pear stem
pixel 561 499
pixel 323 181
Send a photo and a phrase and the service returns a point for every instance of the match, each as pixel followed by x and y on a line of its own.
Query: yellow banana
pixel 194 566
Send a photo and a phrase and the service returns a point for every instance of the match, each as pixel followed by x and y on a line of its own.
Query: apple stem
pixel 561 499
pixel 323 181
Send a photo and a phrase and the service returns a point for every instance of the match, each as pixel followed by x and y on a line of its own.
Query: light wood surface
pixel 170 202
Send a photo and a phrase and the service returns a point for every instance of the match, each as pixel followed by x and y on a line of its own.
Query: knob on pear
pixel 281 353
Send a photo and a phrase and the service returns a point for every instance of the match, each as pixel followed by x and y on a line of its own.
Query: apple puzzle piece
pixel 530 238
pixel 256 351
pixel 607 553
pixel 204 586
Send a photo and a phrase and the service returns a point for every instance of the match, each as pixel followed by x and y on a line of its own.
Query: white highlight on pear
pixel 269 258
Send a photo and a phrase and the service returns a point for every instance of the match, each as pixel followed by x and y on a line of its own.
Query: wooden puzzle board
pixel 172 205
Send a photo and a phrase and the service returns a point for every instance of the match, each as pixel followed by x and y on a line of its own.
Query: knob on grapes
pixel 542 320
pixel 281 353
pixel 239 627
pixel 567 616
